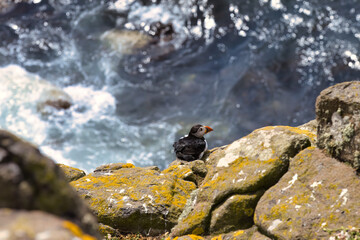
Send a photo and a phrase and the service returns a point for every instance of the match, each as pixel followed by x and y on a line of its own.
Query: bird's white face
pixel 202 131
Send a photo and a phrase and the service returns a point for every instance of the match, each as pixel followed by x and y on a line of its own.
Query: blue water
pixel 233 65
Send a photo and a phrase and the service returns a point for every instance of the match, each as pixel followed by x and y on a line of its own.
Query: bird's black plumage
pixel 192 146
pixel 189 148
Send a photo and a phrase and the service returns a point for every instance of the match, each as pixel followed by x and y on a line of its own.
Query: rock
pixel 107 231
pixel 338 116
pixel 53 97
pixel 25 90
pixel 311 126
pixel 124 41
pixel 135 200
pixel 245 234
pixel 22 224
pixel 317 192
pixel 238 175
pixel 31 181
pixel 234 212
pixel 71 173
pixel 113 167
pixel 194 171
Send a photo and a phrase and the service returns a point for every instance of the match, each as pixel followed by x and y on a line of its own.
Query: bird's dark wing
pixel 189 148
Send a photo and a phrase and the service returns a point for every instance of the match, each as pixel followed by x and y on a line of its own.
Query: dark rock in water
pixel 71 173
pixel 7 35
pixel 338 116
pixel 133 199
pixel 31 181
pixel 317 192
pixel 53 97
pixel 22 224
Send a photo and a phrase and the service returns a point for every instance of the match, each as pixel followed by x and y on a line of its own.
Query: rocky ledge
pixel 277 182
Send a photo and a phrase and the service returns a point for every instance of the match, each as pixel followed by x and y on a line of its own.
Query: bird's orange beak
pixel 208 129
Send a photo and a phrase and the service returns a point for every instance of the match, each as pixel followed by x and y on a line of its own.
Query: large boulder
pixel 133 199
pixel 31 181
pixel 238 176
pixel 338 116
pixel 22 224
pixel 317 192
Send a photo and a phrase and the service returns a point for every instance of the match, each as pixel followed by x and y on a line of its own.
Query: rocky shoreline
pixel 278 182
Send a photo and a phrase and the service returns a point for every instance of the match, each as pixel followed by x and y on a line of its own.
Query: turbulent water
pixel 233 65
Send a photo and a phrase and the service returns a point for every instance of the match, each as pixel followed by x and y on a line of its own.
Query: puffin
pixel 192 146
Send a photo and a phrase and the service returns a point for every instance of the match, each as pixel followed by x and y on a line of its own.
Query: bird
pixel 192 146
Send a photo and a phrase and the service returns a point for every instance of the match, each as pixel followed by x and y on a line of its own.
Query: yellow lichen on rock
pixel 135 199
pixel 75 230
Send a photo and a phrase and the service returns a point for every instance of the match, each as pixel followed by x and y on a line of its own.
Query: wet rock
pixel 135 200
pixel 194 171
pixel 124 41
pixel 338 116
pixel 71 173
pixel 22 224
pixel 238 175
pixel 317 192
pixel 25 90
pixel 31 181
pixel 54 98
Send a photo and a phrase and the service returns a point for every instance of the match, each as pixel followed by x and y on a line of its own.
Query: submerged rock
pixel 317 192
pixel 124 41
pixel 22 224
pixel 238 176
pixel 31 181
pixel 71 173
pixel 338 115
pixel 136 200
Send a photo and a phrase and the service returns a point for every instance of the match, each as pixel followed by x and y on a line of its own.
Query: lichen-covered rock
pixel 71 173
pixel 235 212
pixel 113 167
pixel 311 126
pixel 108 231
pixel 317 192
pixel 246 167
pixel 22 224
pixel 244 234
pixel 134 199
pixel 194 171
pixel 338 116
pixel 31 181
